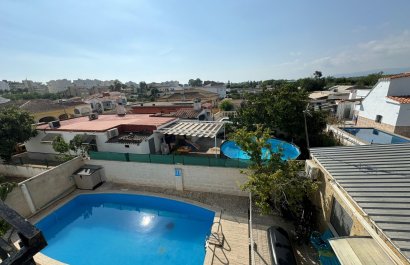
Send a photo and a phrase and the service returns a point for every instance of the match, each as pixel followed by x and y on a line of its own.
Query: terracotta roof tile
pixel 400 99
pixel 187 113
pixel 398 76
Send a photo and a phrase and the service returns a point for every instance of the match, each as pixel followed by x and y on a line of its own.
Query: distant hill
pixel 388 71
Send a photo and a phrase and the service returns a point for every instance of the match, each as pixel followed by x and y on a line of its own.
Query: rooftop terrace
pixel 106 122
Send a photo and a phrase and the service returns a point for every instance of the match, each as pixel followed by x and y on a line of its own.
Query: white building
pixel 387 106
pixel 87 83
pixel 132 133
pixel 4 85
pixel 106 102
pixel 220 90
pixel 55 86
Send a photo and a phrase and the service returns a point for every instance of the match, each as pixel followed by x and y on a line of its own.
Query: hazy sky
pixel 237 40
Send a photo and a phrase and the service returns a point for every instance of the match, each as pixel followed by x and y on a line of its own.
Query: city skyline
pixel 154 41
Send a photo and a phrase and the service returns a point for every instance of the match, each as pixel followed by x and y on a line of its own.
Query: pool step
pixel 217 239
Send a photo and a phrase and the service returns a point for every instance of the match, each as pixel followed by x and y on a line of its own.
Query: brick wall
pixel 364 122
pixel 403 130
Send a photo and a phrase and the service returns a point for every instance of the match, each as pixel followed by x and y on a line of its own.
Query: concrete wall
pixel 194 178
pixel 51 184
pixel 16 201
pixel 21 171
pixel 38 191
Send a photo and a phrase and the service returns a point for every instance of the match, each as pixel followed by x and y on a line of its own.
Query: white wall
pixel 194 178
pixel 376 104
pixel 35 144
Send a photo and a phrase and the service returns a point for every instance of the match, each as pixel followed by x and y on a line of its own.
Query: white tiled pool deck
pixel 234 224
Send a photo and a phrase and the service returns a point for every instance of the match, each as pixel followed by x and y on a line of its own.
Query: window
pixel 340 220
pixel 127 146
pixel 379 118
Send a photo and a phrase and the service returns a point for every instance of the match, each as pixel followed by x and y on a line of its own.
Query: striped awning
pixel 193 128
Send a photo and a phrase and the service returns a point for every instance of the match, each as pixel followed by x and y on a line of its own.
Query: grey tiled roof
pixel 377 177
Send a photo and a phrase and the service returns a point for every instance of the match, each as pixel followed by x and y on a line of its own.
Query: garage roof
pixel 377 177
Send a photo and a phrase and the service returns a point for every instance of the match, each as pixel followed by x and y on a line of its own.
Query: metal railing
pixel 171 159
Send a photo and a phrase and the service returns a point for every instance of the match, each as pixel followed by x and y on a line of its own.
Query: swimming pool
pixel 126 229
pixel 375 136
pixel 290 151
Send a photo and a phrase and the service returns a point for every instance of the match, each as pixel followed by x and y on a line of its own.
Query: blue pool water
pixel 289 151
pixel 375 136
pixel 126 229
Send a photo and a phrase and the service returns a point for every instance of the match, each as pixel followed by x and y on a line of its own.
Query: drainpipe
pixel 28 198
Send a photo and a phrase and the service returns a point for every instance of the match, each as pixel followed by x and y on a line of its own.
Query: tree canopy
pixel 276 184
pixel 226 105
pixel 16 126
pixel 195 83
pixel 280 110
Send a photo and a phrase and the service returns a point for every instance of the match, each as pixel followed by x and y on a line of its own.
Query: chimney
pixel 197 104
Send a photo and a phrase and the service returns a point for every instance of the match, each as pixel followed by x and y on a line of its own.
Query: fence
pixel 170 159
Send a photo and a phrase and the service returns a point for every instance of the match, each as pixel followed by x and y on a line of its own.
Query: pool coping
pixel 43 259
pixel 338 129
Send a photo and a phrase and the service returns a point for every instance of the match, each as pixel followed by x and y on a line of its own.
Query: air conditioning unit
pixel 311 170
pixel 112 133
pixel 93 116
pixel 54 124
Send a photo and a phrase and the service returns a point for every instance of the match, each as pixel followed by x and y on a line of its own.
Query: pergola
pixel 208 129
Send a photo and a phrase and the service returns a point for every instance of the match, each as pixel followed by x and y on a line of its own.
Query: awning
pixel 359 251
pixel 193 128
pixel 49 137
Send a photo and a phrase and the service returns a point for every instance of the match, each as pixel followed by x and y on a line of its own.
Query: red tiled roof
pixel 398 76
pixel 400 99
pixel 187 113
pixel 106 122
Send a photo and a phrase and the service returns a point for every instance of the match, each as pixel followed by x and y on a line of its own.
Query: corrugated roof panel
pixel 377 177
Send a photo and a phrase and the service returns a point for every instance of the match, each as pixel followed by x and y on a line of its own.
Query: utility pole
pixel 306 111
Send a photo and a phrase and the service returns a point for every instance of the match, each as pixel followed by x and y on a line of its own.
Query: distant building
pixel 218 89
pixel 387 106
pixel 340 100
pixel 87 83
pixel 4 85
pixel 106 102
pixel 55 86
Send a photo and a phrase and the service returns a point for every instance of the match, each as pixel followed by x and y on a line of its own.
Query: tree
pixel 195 83
pixel 61 147
pixel 277 185
pixel 280 110
pixel 143 86
pixel 76 145
pixel 16 126
pixel 226 105
pixel 317 74
pixel 117 85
